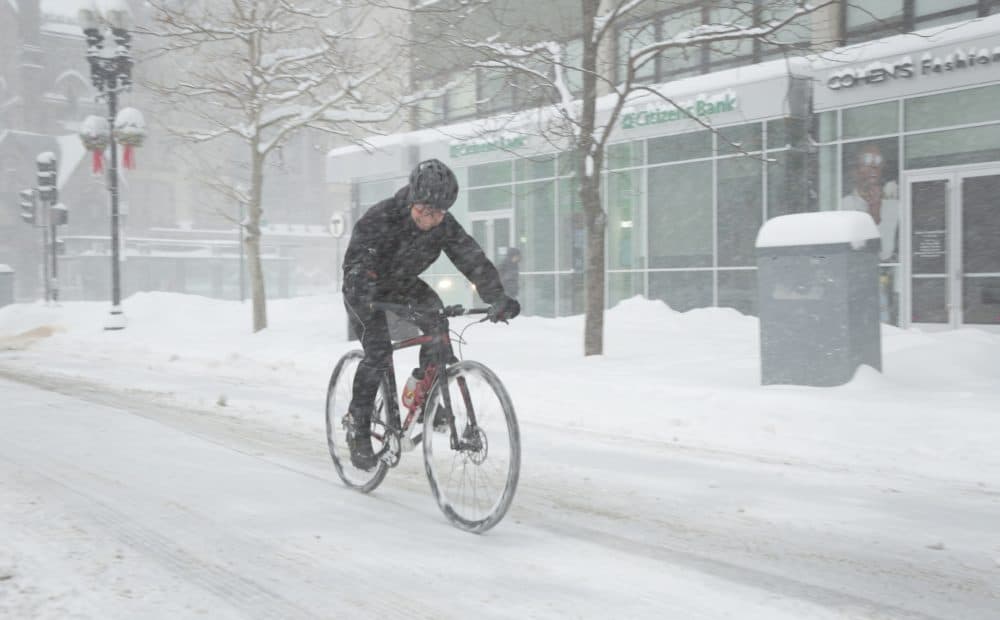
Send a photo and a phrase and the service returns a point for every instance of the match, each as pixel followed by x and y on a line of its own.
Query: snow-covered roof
pixel 5 268
pixel 381 152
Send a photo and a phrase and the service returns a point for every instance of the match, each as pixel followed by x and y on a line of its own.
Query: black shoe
pixel 359 440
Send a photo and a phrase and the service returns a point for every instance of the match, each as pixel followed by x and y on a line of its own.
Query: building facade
pixel 176 234
pixel 898 125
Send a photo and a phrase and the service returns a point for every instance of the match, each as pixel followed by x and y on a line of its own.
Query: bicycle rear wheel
pixel 473 484
pixel 338 399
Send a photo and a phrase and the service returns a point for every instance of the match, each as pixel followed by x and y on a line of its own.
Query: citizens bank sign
pixel 475 147
pixel 904 68
pixel 701 106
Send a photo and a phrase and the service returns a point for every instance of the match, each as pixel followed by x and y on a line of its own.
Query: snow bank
pixel 691 379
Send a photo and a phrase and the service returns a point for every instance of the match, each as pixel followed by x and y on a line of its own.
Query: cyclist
pixel 392 244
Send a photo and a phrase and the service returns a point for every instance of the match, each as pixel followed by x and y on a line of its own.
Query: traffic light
pixel 47 177
pixel 29 210
pixel 58 214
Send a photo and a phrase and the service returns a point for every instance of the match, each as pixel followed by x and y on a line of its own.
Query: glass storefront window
pixel 738 289
pixel 567 163
pixel 538 294
pixel 680 215
pixel 571 290
pixel 963 107
pixel 624 155
pixel 747 137
pixel 535 167
pixel 785 132
pixel 490 198
pixel 954 147
pixel 681 290
pixel 740 196
pixel 622 286
pixel 572 231
pixel 536 232
pixel 871 185
pixel 785 177
pixel 490 174
pixel 625 236
pixel 693 145
pixel 826 181
pixel 871 120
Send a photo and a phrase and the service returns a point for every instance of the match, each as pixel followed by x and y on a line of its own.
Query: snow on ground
pixel 687 378
pixel 690 381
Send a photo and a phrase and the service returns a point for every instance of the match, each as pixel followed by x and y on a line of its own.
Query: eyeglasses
pixel 871 159
pixel 429 211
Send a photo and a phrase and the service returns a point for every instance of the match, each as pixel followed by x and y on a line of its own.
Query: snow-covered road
pixel 116 505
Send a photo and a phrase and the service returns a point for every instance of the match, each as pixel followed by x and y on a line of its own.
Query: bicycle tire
pixel 338 398
pixel 500 439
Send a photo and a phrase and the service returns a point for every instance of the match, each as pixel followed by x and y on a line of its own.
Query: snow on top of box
pixel 823 227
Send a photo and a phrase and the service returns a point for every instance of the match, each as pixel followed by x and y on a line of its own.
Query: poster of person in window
pixel 871 185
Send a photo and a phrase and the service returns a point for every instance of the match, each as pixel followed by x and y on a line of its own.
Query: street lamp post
pixel 110 74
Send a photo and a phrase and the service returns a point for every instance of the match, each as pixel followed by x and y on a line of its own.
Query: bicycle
pixel 472 464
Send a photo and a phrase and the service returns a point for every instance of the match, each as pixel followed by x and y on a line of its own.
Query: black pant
pixel 373 329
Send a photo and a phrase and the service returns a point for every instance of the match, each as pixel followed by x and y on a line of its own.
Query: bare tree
pixel 536 56
pixel 258 71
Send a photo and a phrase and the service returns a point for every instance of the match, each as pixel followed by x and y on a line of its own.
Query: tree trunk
pixel 591 157
pixel 251 236
pixel 593 331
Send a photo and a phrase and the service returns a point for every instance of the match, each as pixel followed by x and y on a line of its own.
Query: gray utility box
pixel 817 275
pixel 6 285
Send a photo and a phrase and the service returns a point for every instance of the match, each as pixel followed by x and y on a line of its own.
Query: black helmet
pixel 434 184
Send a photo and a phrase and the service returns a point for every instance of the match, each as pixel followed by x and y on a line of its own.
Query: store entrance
pixel 954 248
pixel 493 231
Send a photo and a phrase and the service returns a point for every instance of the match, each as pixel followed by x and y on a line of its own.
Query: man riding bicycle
pixel 391 245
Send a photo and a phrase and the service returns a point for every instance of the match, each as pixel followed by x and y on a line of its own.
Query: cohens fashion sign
pixel 905 68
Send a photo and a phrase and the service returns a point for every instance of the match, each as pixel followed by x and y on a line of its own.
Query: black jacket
pixel 387 247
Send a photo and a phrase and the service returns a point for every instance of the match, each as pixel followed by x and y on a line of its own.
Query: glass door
pixel 493 233
pixel 980 243
pixel 954 248
pixel 930 286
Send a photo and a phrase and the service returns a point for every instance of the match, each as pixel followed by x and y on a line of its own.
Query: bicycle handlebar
pixel 408 312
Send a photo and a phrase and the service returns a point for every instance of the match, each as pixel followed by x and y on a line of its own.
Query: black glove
pixel 504 310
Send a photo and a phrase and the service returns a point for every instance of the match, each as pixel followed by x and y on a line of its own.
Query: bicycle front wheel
pixel 473 482
pixel 338 399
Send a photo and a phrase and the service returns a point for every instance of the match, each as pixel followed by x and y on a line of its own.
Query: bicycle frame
pixel 399 427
